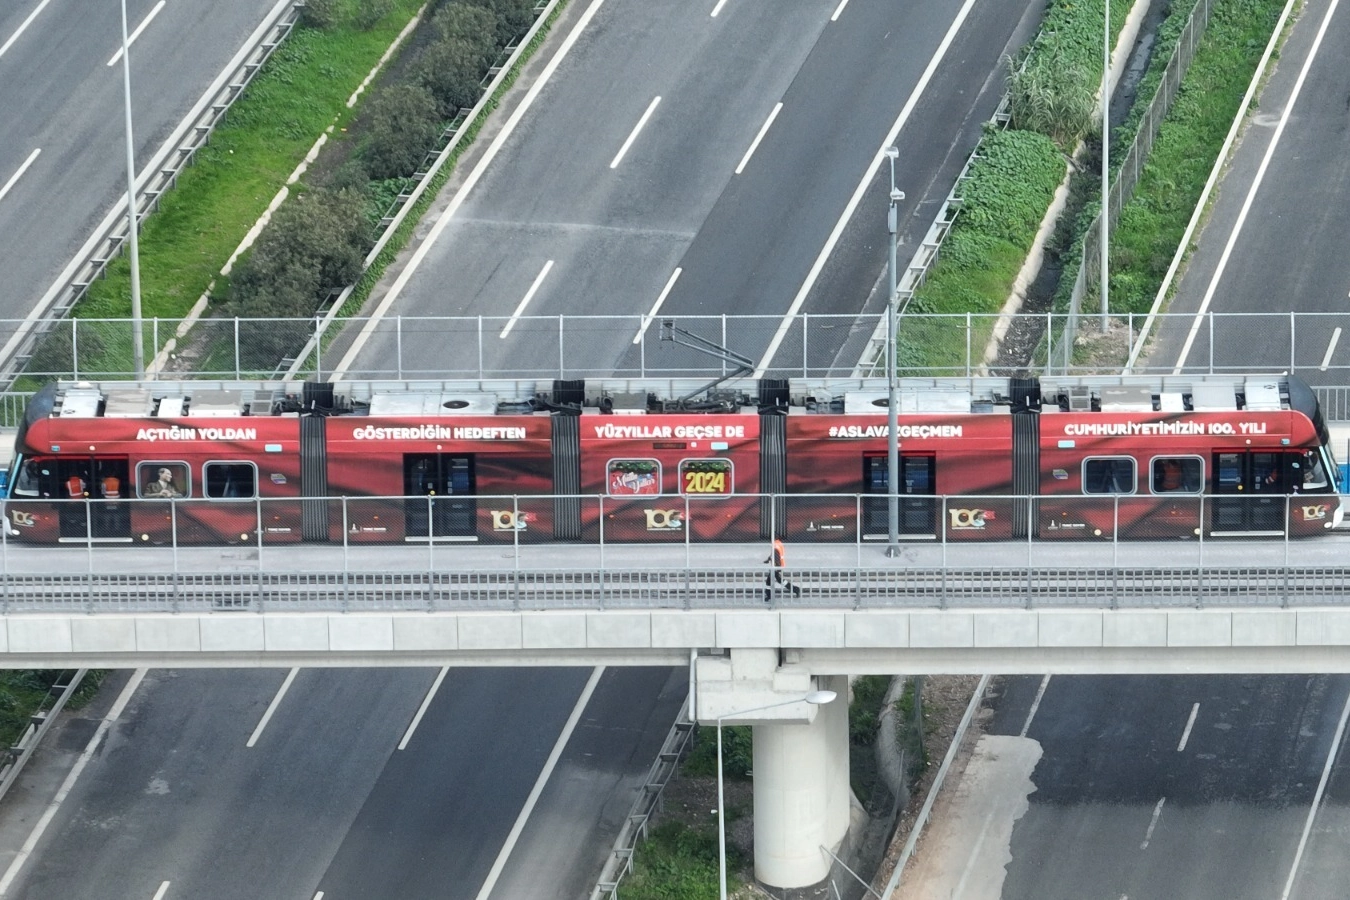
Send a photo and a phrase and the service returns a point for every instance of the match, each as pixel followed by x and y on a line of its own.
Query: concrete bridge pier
pixel 802 795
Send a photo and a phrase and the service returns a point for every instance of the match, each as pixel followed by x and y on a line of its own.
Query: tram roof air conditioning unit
pixel 1209 397
pixel 433 404
pixel 1263 396
pixel 1080 398
pixel 1127 399
pixel 218 404
pixel 81 403
pixel 129 404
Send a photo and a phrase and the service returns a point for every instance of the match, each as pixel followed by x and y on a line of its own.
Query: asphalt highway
pixel 1216 787
pixel 63 160
pixel 676 163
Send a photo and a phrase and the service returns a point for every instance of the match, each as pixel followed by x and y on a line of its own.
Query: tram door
pixel 1249 491
pixel 92 491
pixel 918 509
pixel 440 496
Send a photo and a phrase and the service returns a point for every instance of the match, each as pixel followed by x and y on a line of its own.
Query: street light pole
pixel 1106 153
pixel 137 339
pixel 892 403
pixel 816 698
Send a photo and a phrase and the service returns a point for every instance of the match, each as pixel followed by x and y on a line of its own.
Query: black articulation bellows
pixel 318 396
pixel 773 393
pixel 1025 394
pixel 569 392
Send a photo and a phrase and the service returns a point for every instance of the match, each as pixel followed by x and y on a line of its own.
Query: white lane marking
pixel 791 316
pixel 1317 798
pixel 647 319
pixel 163 889
pixel 525 301
pixel 26 22
pixel 642 122
pixel 272 707
pixel 14 179
pixel 1153 823
pixel 90 749
pixel 137 33
pixel 1035 705
pixel 1190 723
pixel 763 130
pixel 970 860
pixel 1251 191
pixel 718 8
pixel 319 896
pixel 500 863
pixel 1326 360
pixel 838 10
pixel 421 710
pixel 396 289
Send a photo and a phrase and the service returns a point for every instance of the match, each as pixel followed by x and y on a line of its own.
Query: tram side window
pixel 230 480
pixel 163 480
pixel 1178 475
pixel 1108 475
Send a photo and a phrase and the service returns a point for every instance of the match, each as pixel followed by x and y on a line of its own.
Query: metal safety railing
pixel 814 346
pixel 469 553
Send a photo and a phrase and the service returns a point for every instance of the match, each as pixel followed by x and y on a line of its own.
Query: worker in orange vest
pixel 779 561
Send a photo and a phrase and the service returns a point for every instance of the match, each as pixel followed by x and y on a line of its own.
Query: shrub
pixel 738 754
pixel 514 17
pixel 314 244
pixel 472 24
pixel 451 70
pixel 322 14
pixel 404 121
pixel 370 12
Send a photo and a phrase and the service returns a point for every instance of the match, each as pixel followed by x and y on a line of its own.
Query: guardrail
pixel 634 829
pixel 158 176
pixel 39 722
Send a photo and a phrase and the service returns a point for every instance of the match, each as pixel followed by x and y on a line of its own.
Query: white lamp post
pixel 1106 154
pixel 816 698
pixel 892 404
pixel 137 339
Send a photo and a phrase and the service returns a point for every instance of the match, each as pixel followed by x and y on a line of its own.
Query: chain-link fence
pixel 1126 177
pixel 810 346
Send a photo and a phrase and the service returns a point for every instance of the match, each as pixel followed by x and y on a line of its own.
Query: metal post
pixel 892 402
pixel 1106 152
pixel 398 343
pixel 137 339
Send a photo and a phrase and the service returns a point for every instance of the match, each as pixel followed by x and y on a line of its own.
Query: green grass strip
pixel 1008 189
pixel 1153 222
pixel 301 90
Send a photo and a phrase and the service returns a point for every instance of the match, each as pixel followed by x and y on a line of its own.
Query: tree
pixel 404 121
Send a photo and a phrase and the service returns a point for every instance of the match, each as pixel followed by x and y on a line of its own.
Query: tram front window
pixel 1309 470
pixel 27 478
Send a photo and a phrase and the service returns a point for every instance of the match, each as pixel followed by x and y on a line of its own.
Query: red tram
pixel 986 458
